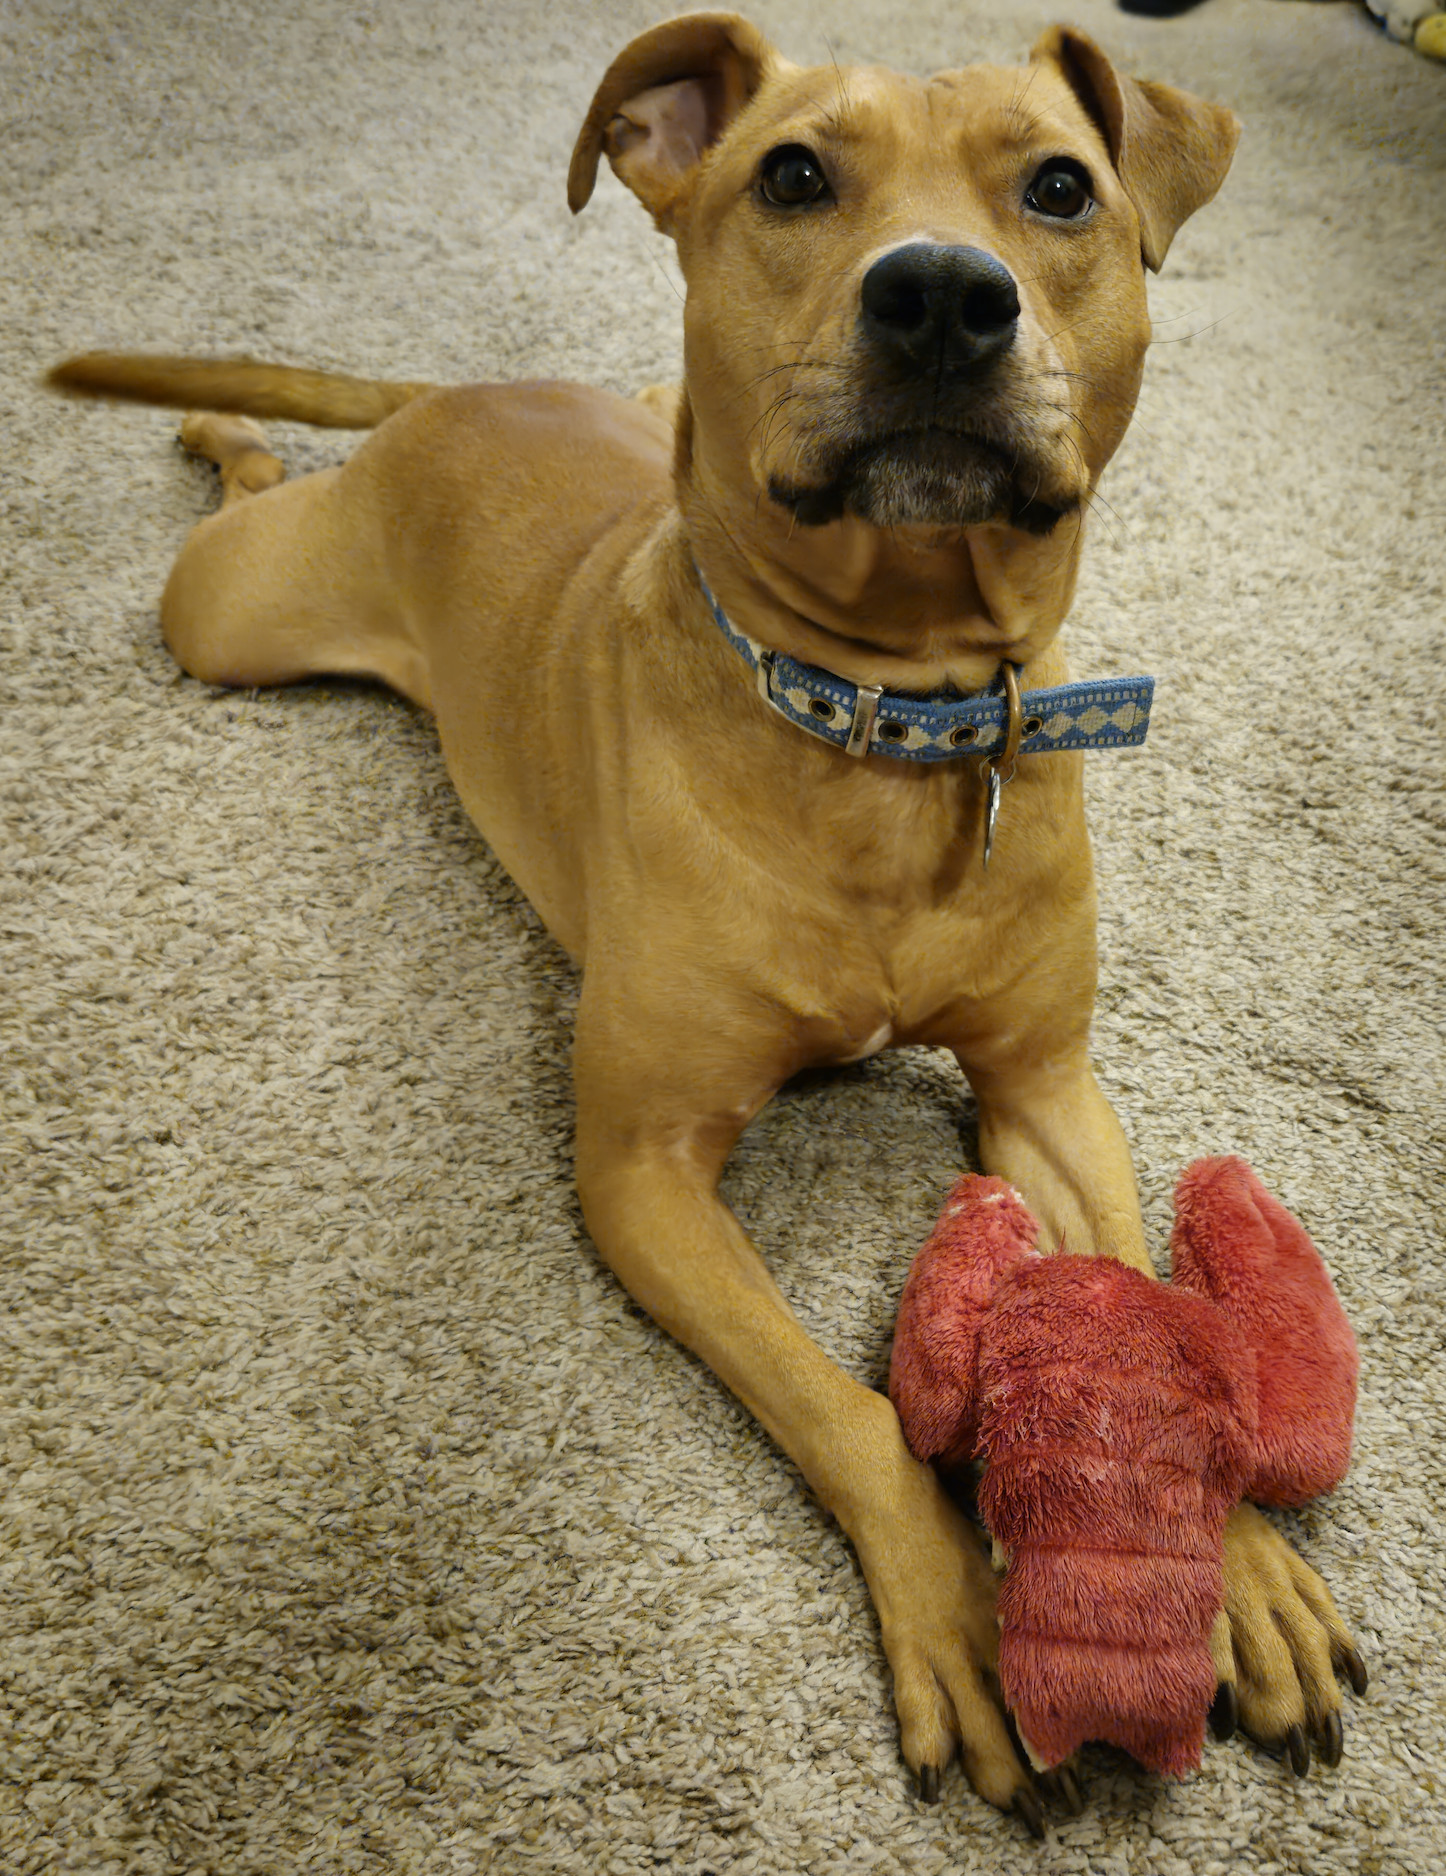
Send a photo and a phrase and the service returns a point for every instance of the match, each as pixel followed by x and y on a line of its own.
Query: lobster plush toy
pixel 1120 1421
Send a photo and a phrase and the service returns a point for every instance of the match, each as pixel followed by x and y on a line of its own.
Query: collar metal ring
pixel 1003 763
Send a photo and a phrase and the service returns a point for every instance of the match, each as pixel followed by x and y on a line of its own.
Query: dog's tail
pixel 329 399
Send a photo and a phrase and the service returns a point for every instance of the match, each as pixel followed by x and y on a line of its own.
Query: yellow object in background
pixel 1431 36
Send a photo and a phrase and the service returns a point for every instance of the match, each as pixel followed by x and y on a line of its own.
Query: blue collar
pixel 866 719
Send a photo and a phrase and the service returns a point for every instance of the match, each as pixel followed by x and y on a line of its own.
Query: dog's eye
pixel 1061 189
pixel 792 177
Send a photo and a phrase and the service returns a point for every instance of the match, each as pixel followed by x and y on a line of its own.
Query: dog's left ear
pixel 663 101
pixel 1170 150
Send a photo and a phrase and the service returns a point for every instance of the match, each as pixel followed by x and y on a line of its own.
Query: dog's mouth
pixel 930 477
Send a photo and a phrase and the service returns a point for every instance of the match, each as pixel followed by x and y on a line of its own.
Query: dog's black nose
pixel 927 305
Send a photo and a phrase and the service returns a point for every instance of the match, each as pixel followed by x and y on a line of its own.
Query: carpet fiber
pixel 354 1521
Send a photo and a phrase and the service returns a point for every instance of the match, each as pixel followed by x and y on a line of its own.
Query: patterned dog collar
pixel 866 719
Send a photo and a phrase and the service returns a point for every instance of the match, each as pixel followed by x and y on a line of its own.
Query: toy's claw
pixel 1237 1244
pixel 1355 1668
pixel 1297 1749
pixel 1225 1713
pixel 1330 1740
pixel 1027 1808
pixel 929 1784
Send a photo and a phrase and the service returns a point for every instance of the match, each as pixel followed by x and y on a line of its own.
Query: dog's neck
pixel 909 608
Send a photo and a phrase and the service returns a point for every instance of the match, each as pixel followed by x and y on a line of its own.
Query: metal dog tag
pixel 993 789
pixel 1000 769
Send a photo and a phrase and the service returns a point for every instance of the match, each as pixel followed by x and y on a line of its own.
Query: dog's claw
pixel 1356 1669
pixel 1330 1740
pixel 1297 1749
pixel 1225 1712
pixel 1066 1787
pixel 929 1784
pixel 1027 1807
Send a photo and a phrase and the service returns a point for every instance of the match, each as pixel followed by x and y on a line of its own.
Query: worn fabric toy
pixel 1121 1420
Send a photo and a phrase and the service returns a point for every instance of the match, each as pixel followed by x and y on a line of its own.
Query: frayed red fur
pixel 984 1227
pixel 1240 1247
pixel 1122 1419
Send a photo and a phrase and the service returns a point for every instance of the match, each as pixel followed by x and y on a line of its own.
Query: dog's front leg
pixel 650 1148
pixel 1046 1127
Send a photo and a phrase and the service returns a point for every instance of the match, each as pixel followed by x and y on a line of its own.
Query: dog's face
pixel 913 304
pixel 923 300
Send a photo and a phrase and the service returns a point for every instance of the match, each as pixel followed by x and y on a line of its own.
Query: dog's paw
pixel 664 400
pixel 1278 1647
pixel 933 1588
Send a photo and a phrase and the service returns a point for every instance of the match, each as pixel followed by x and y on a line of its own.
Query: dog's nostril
pixel 898 303
pixel 896 289
pixel 991 304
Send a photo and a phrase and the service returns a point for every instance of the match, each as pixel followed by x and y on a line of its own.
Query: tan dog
pixel 915 328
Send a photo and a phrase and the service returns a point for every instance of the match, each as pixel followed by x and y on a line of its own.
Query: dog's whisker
pixel 678 292
pixel 1184 338
pixel 1082 324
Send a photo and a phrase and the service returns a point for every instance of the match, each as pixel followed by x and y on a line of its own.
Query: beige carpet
pixel 353 1520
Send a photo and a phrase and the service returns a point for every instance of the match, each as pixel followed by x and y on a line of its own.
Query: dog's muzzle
pixel 930 432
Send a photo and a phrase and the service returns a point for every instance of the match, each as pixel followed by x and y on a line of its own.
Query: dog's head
pixel 912 302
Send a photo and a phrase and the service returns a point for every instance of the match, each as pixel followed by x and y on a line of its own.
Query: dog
pixel 679 649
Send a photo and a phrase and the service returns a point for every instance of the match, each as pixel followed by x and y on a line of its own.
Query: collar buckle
pixel 763 676
pixel 861 730
pixel 865 710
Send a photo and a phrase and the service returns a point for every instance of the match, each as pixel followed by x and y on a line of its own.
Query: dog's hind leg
pixel 288 580
pixel 664 400
pixel 237 447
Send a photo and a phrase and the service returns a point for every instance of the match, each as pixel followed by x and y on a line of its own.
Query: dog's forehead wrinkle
pixel 997 93
pixel 867 104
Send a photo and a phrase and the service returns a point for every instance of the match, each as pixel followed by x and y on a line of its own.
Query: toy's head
pixel 1120 1420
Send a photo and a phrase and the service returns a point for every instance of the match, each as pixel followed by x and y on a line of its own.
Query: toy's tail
pixel 1119 1420
pixel 245 385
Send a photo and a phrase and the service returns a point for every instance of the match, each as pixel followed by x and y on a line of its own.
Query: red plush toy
pixel 1121 1420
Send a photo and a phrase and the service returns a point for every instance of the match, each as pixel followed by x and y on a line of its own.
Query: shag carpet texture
pixel 353 1520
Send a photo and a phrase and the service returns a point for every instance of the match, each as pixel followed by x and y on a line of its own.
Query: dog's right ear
pixel 664 100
